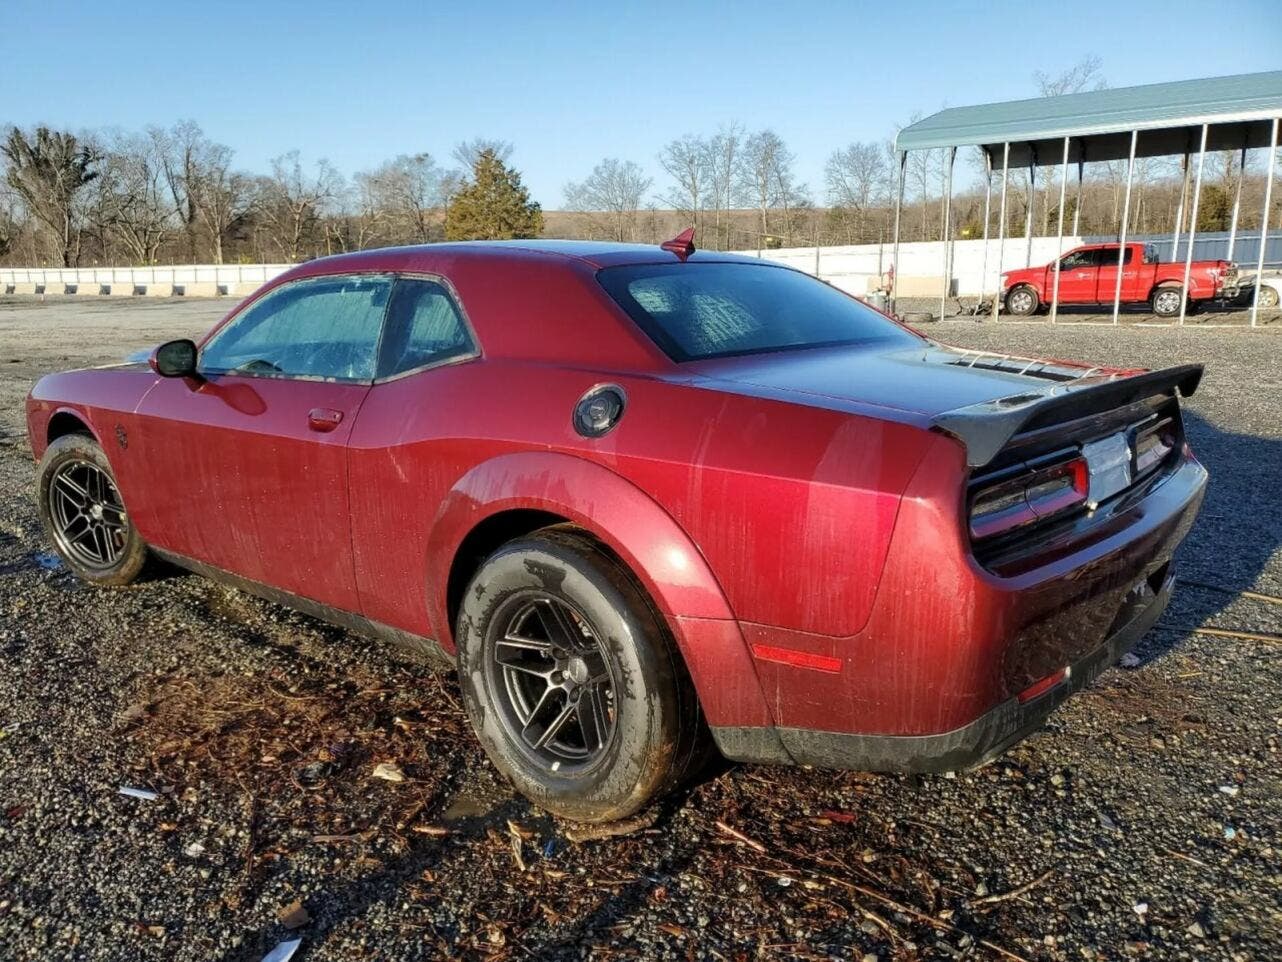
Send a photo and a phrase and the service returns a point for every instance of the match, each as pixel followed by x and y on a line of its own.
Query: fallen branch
pixel 1015 892
pixel 594 833
pixel 739 836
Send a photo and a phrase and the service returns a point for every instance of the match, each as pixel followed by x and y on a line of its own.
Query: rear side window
pixel 326 328
pixel 424 327
pixel 1108 256
pixel 695 311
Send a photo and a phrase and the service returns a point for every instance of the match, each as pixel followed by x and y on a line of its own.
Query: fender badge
pixel 121 437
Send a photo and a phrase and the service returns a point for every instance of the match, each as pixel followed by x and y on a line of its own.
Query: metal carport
pixel 1186 117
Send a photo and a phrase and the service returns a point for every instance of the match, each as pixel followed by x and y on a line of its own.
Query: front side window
pixel 325 327
pixel 424 327
pixel 1079 259
pixel 695 311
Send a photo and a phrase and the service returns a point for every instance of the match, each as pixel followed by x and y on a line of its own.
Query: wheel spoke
pixel 71 489
pixel 537 670
pixel 567 629
pixel 543 648
pixel 594 720
pixel 555 726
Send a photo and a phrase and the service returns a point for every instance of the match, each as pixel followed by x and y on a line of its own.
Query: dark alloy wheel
pixel 84 513
pixel 555 680
pixel 89 520
pixel 572 680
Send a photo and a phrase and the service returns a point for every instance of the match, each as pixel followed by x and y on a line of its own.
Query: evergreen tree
pixel 493 205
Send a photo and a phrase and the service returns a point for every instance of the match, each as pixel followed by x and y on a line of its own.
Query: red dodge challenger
pixel 640 496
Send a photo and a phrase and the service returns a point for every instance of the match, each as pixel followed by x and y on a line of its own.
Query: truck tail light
pixel 1031 496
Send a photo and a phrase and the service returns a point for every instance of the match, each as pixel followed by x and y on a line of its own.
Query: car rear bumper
pixel 973 744
pixel 958 664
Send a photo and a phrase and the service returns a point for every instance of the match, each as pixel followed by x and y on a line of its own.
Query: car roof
pixel 593 253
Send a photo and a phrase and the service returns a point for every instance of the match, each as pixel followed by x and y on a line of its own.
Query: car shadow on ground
pixel 1237 533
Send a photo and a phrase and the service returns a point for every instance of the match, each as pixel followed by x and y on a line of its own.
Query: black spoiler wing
pixel 987 427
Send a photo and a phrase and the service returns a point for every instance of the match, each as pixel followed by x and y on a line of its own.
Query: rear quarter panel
pixel 791 507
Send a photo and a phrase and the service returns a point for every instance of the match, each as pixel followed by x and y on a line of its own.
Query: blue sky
pixel 570 83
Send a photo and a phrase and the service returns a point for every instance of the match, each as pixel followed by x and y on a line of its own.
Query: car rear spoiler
pixel 987 427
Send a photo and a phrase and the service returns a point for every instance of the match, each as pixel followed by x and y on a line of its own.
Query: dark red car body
pixel 799 518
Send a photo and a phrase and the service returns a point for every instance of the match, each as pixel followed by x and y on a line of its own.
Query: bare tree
pixel 467 152
pixel 410 190
pixel 856 176
pixel 615 188
pixel 686 161
pixel 47 169
pixel 293 201
pixel 1084 75
pixel 724 164
pixel 134 203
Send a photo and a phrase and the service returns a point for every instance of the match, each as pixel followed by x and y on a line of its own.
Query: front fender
pixel 642 534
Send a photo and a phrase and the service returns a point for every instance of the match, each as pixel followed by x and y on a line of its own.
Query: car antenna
pixel 682 245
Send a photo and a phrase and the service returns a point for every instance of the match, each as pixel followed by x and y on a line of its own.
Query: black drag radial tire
pixel 133 556
pixel 659 737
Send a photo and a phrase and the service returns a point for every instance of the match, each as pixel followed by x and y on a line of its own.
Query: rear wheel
pixel 1166 301
pixel 1022 301
pixel 1268 297
pixel 571 680
pixel 84 514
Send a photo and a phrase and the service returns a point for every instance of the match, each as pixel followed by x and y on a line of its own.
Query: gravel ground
pixel 1142 821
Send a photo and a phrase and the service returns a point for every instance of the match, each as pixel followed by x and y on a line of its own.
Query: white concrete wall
pixel 851 267
pixel 228 275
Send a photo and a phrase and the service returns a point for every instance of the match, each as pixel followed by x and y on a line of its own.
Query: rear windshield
pixel 696 311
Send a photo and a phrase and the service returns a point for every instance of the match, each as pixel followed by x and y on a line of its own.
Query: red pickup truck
pixel 1088 275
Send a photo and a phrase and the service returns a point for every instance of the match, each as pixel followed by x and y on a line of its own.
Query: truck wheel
pixel 1021 301
pixel 1268 297
pixel 1166 301
pixel 572 681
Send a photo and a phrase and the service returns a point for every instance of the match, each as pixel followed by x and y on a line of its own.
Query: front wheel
pixel 572 681
pixel 1167 300
pixel 84 514
pixel 1268 297
pixel 1022 301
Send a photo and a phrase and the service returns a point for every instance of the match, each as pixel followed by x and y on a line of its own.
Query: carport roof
pixel 1168 115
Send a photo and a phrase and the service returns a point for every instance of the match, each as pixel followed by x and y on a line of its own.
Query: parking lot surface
pixel 1143 821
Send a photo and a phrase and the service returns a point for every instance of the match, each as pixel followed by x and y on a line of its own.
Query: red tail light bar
pixel 1028 497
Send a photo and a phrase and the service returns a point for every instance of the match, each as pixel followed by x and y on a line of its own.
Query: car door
pixel 1077 270
pixel 248 464
pixel 407 448
pixel 1107 286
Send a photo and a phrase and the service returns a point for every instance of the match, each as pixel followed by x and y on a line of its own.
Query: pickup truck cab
pixel 1088 275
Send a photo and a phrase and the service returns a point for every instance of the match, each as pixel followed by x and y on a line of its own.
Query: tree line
pixel 173 195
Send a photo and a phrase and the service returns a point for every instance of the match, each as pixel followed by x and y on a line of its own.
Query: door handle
pixel 324 419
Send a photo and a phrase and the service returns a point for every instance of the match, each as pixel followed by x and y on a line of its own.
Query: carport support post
pixel 1028 219
pixel 1197 197
pixel 988 202
pixel 1121 236
pixel 1237 204
pixel 902 158
pixel 1001 227
pixel 1179 210
pixel 948 232
pixel 1264 221
pixel 1077 209
pixel 1059 235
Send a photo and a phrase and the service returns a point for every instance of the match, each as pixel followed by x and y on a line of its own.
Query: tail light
pixel 1028 495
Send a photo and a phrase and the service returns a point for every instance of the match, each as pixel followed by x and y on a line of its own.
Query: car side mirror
pixel 175 359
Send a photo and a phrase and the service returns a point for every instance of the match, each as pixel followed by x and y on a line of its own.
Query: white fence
pixel 197 279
